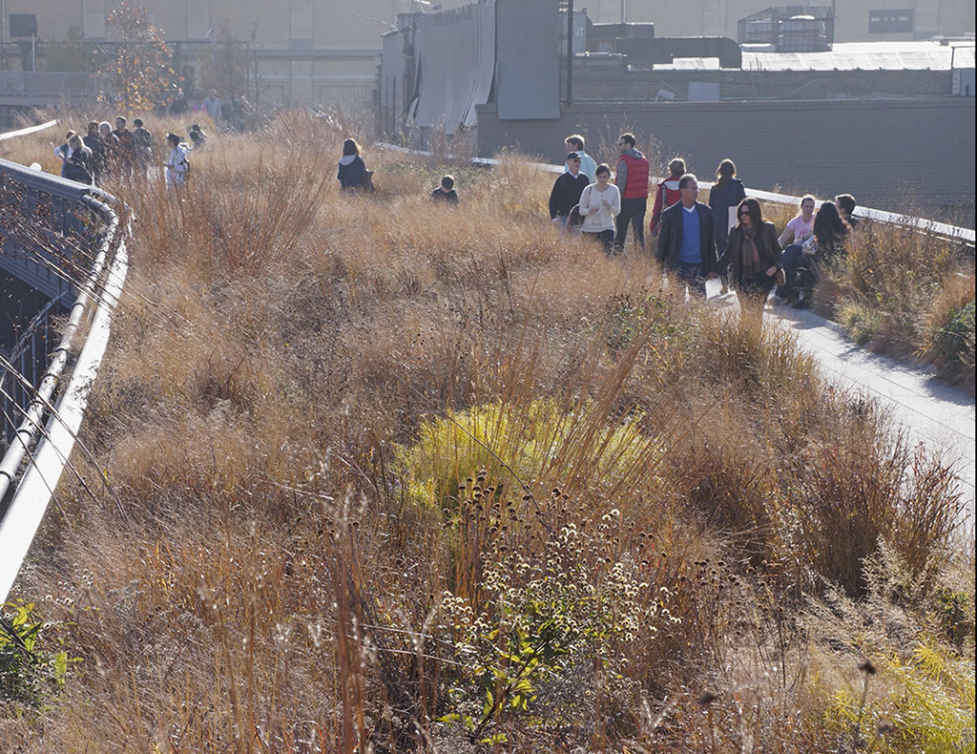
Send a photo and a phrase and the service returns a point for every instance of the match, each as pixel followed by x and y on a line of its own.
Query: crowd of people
pixel 694 241
pixel 128 154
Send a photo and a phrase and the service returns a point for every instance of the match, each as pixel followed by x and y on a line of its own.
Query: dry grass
pixel 264 577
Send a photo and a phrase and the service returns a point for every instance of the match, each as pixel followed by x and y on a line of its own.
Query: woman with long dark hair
pixel 800 261
pixel 352 170
pixel 753 257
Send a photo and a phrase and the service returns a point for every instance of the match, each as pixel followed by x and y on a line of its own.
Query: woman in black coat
pixel 352 170
pixel 753 256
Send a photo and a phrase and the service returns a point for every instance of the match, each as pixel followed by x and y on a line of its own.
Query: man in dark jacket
pixel 686 242
pixel 94 142
pixel 567 190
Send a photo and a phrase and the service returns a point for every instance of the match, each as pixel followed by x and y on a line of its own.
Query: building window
pixel 890 21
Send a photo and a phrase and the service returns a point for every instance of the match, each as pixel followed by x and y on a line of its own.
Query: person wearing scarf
pixel 753 258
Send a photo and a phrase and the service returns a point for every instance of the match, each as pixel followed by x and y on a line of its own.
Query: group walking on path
pixel 127 154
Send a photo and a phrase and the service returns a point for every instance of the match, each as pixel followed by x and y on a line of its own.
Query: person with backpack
pixel 445 192
pixel 353 175
pixel 632 180
pixel 667 194
pixel 599 204
pixel 753 259
pixel 567 190
pixel 177 162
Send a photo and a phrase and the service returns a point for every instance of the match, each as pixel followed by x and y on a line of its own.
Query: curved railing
pixel 66 240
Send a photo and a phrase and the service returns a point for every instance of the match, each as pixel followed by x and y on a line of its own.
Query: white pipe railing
pixel 32 467
pixel 966 235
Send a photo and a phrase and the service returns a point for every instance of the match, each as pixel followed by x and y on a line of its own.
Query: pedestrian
pixel 212 105
pixel 727 192
pixel 632 180
pixel 142 147
pixel 63 151
pixel 125 154
pixel 667 193
pixel 685 240
pixel 94 142
pixel 445 192
pixel 179 104
pixel 753 259
pixel 846 207
pixel 588 166
pixel 800 227
pixel 567 190
pixel 177 163
pixel 353 174
pixel 800 262
pixel 198 137
pixel 599 204
pixel 78 166
pixel 111 143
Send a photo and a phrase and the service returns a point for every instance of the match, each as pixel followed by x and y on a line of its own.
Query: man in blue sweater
pixel 686 242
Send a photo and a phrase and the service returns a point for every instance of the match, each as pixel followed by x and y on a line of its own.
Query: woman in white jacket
pixel 177 162
pixel 599 204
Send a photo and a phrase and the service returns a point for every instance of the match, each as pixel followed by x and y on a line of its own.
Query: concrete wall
pixel 593 83
pixel 890 154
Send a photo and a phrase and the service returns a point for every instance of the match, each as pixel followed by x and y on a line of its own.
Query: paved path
pixel 933 413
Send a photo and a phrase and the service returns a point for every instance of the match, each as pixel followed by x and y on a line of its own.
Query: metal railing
pixel 74 245
pixel 933 227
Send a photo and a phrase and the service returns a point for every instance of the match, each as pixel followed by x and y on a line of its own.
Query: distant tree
pixel 139 69
pixel 227 69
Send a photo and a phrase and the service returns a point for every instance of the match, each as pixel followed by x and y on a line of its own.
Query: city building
pixel 854 20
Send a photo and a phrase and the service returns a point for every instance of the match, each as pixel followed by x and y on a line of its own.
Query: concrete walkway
pixel 933 413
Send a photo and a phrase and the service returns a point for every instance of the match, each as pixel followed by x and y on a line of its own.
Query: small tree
pixel 139 70
pixel 227 69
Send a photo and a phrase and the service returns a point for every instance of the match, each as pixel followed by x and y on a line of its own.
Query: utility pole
pixel 624 12
pixel 570 51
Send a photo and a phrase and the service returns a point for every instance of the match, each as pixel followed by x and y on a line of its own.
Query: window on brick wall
pixel 890 21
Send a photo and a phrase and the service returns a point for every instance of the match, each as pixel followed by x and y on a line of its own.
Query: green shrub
pixel 30 671
pixel 552 632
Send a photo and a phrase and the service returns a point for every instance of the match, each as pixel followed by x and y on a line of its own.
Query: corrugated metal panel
pixel 527 72
pixel 456 51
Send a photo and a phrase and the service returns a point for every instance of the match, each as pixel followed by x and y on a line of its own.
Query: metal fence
pixel 64 239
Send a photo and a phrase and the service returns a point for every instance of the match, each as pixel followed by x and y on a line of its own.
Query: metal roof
pixel 848 56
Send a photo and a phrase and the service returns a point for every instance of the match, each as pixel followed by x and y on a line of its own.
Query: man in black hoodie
pixel 567 190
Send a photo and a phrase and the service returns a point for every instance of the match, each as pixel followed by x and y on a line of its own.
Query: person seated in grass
pixel 446 191
pixel 800 262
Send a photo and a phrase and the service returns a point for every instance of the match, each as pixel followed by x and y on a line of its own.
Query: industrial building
pixel 801 117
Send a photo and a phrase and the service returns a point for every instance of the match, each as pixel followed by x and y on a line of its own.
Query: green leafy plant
pixel 550 630
pixel 30 669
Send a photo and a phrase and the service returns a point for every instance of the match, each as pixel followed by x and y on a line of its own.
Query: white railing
pixel 966 235
pixel 42 446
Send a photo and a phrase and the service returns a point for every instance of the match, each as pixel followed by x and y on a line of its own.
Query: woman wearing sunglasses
pixel 753 256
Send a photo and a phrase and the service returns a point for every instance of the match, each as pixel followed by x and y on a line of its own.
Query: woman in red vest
pixel 632 180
